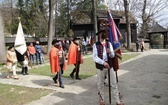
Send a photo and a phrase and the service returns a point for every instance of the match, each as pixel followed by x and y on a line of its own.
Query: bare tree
pixel 50 23
pixel 144 19
pixel 151 11
pixel 128 30
pixel 2 41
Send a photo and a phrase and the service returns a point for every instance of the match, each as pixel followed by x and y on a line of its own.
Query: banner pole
pixel 116 76
pixel 107 44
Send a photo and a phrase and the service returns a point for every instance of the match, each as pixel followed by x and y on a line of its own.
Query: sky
pixel 162 20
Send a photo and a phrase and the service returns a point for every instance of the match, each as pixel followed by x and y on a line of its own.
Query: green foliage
pixel 157 39
pixel 84 5
pixel 32 14
pixel 62 24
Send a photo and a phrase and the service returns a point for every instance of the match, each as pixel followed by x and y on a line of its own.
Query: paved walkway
pixel 143 80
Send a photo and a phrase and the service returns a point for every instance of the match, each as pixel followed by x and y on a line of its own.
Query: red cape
pixel 54 64
pixel 72 53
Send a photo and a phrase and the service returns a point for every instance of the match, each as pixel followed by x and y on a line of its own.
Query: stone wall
pixel 133 46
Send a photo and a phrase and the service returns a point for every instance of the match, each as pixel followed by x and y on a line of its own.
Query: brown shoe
pixel 7 76
pixel 102 102
pixel 121 103
pixel 15 77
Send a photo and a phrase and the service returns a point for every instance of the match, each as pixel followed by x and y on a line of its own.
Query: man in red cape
pixel 75 57
pixel 57 61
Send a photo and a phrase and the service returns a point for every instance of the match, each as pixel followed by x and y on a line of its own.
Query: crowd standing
pixel 14 57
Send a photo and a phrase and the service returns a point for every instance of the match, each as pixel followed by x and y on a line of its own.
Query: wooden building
pixel 82 23
pixel 42 40
pixel 162 33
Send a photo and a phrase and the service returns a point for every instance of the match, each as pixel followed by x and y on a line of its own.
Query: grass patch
pixel 1 65
pixel 43 70
pixel 17 95
pixel 126 57
pixel 87 69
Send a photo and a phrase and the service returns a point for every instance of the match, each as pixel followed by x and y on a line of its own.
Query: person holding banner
pixel 100 57
pixel 23 60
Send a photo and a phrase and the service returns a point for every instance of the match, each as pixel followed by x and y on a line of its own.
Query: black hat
pixel 100 31
pixel 76 38
pixel 55 41
pixel 10 47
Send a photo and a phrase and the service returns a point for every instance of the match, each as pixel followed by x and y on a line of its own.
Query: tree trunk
pixel 144 22
pixel 94 18
pixel 128 30
pixel 2 41
pixel 50 25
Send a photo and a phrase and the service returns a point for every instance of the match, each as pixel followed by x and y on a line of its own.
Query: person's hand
pixel 14 61
pixel 106 65
pixel 108 51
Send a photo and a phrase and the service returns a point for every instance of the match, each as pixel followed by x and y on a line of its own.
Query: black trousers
pixel 142 48
pixel 76 69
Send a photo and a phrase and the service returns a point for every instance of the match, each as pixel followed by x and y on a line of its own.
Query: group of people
pixel 58 60
pixel 35 52
pixel 102 53
pixel 14 57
